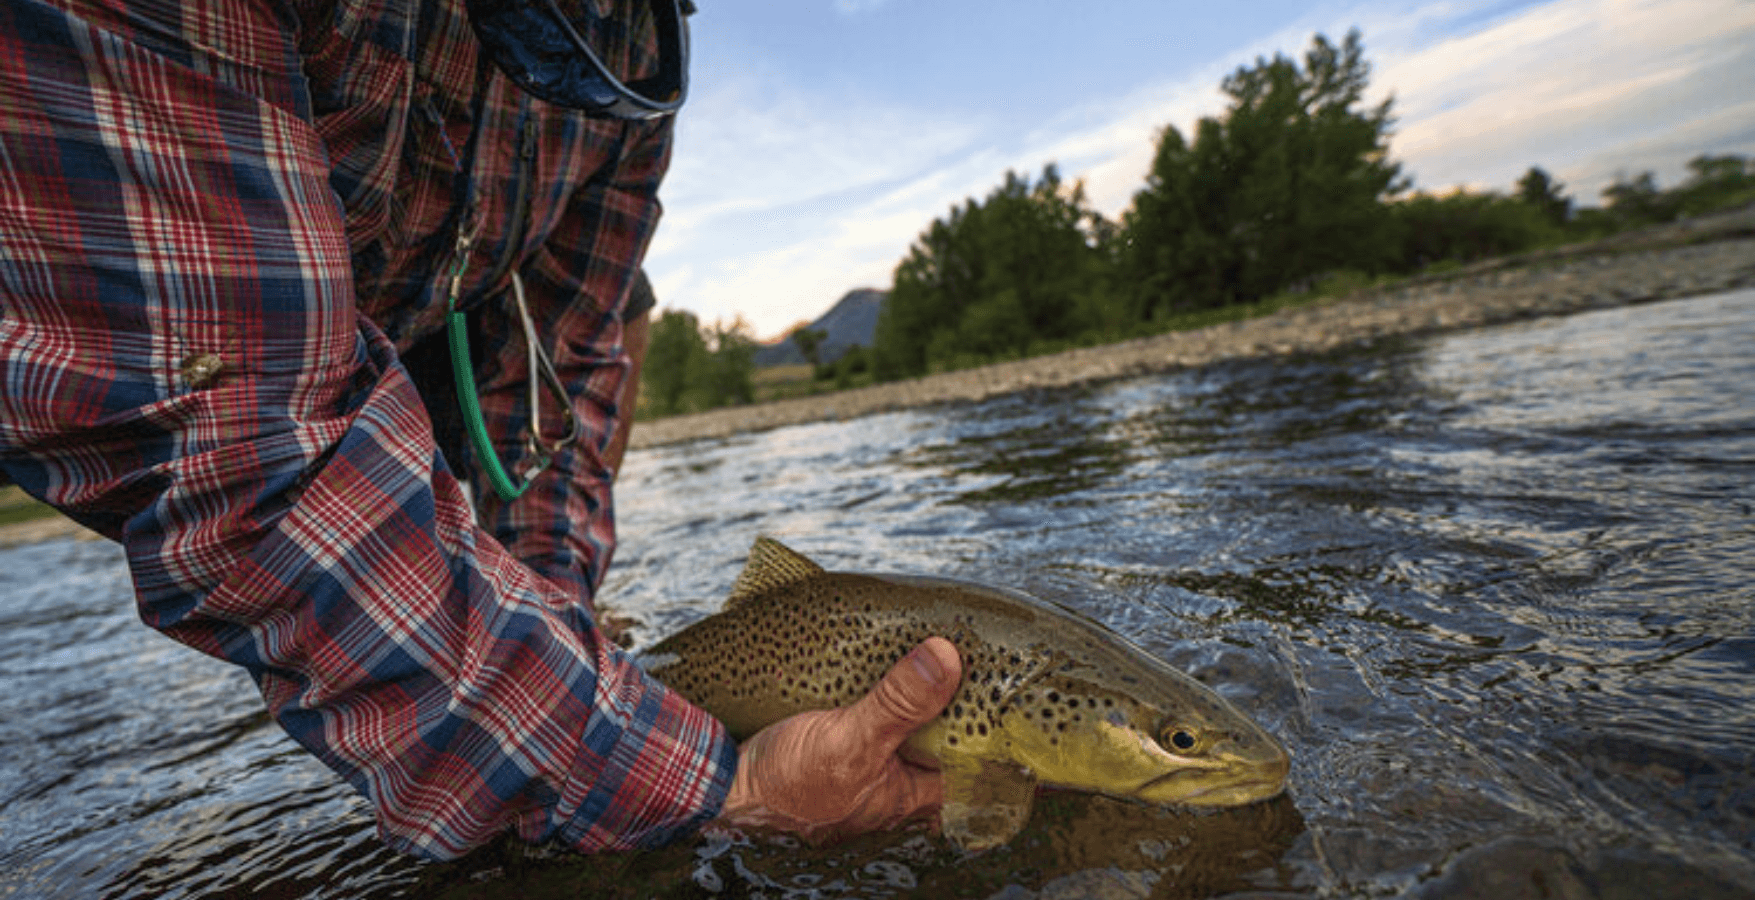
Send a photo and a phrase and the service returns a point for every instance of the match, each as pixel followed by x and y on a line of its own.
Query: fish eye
pixel 1179 739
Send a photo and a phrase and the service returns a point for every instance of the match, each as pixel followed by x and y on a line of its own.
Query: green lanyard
pixel 539 366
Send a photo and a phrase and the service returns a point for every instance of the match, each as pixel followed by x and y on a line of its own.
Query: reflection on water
pixel 1492 590
pixel 1075 847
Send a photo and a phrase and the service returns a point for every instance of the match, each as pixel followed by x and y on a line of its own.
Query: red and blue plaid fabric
pixel 219 221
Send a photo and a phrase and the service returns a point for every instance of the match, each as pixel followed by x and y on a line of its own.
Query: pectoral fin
pixel 987 801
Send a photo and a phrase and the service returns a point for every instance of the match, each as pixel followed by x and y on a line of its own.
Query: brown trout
pixel 1048 697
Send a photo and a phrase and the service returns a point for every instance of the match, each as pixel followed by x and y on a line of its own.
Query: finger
pixel 923 795
pixel 903 794
pixel 910 695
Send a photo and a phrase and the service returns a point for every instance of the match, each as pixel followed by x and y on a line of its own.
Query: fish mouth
pixel 1224 785
pixel 1236 793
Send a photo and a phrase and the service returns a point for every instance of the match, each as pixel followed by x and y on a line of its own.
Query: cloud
pixel 1568 86
pixel 754 143
pixel 784 196
pixel 776 264
pixel 1110 146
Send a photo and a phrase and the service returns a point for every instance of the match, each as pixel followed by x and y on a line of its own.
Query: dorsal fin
pixel 772 565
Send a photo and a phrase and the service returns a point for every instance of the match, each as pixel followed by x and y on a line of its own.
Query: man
pixel 222 223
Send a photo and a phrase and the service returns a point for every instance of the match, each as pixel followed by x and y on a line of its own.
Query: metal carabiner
pixel 538 363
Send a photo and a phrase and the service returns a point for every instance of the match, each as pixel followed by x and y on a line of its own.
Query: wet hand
pixel 834 773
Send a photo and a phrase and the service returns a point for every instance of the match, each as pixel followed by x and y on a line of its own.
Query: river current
pixel 1492 589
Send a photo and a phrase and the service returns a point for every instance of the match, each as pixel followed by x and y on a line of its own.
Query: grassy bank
pixel 17 506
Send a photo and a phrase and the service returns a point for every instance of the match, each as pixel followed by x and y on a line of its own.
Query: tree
pixel 993 277
pixel 1639 202
pixel 852 363
pixel 1287 185
pixel 1464 227
pixel 1709 169
pixel 690 368
pixel 673 358
pixel 1542 193
pixel 809 342
pixel 730 365
pixel 1716 182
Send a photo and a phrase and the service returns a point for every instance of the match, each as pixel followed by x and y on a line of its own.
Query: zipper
pixel 524 172
pixel 469 218
pixel 541 369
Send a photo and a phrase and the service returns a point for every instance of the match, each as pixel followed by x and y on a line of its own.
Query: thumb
pixel 910 695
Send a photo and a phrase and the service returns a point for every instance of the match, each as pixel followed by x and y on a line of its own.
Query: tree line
pixel 1291 190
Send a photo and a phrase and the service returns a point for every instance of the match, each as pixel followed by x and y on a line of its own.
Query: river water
pixel 1492 589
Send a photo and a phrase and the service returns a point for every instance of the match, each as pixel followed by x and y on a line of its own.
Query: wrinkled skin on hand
pixel 835 773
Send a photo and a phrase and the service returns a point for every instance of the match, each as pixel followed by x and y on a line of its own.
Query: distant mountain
pixel 852 321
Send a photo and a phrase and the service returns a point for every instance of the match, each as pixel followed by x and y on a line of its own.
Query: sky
pixel 821 137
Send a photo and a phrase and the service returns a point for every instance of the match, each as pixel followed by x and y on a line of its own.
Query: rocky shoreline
pixel 1679 260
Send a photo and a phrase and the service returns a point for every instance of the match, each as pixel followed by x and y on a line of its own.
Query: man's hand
pixel 834 773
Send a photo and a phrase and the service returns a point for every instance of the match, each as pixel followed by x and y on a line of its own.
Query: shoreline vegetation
pixel 25 521
pixel 1289 198
pixel 1705 255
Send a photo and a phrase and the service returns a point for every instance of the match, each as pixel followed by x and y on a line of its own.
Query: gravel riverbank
pixel 1672 261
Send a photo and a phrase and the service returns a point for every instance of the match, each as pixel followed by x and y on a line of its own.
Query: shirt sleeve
pixel 184 370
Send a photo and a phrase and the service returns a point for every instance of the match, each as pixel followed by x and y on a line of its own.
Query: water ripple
pixel 1492 589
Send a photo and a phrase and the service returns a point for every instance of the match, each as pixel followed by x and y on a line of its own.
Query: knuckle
pixel 895 699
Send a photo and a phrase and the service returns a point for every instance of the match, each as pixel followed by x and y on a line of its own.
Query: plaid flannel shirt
pixel 219 221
